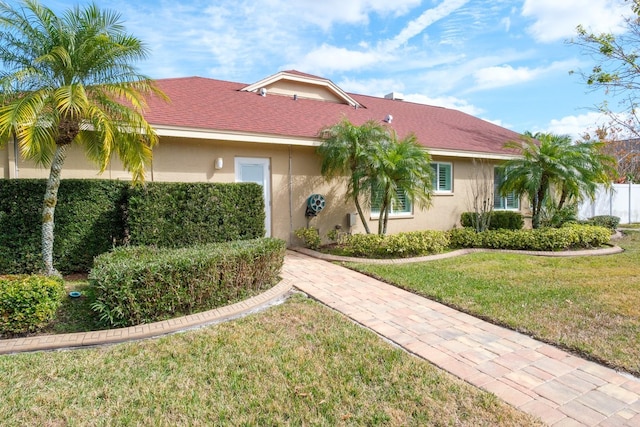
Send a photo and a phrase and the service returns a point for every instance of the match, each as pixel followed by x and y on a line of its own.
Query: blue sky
pixel 506 61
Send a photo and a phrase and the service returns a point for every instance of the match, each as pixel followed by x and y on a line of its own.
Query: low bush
pixel 414 243
pixel 310 237
pixel 142 284
pixel 508 220
pixel 28 303
pixel 609 221
pixel 571 236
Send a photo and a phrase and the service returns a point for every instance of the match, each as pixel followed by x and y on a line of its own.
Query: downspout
pixel 290 196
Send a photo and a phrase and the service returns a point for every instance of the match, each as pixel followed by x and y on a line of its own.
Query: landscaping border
pixel 149 330
pixel 338 258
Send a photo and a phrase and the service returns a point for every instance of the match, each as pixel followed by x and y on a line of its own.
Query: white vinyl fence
pixel 622 200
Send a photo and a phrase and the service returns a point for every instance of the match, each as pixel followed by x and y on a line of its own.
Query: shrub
pixel 93 216
pixel 414 243
pixel 554 217
pixel 89 221
pixel 571 236
pixel 310 237
pixel 28 303
pixel 175 215
pixel 508 220
pixel 609 221
pixel 137 284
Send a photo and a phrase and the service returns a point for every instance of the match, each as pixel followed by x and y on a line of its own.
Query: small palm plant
pixel 68 80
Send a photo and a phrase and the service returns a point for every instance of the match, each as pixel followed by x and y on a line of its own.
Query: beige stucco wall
pixel 295 172
pixel 303 90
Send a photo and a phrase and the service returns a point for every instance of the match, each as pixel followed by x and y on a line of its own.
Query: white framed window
pixel 509 202
pixel 442 177
pixel 400 207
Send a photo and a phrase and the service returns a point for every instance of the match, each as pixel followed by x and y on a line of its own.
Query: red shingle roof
pixel 217 105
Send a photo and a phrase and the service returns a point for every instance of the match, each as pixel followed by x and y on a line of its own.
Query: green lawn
pixel 296 364
pixel 590 305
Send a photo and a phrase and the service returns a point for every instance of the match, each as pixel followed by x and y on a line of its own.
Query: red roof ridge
pixel 301 74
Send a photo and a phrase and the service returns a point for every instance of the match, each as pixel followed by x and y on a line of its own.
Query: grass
pixel 590 305
pixel 634 226
pixel 296 364
pixel 75 314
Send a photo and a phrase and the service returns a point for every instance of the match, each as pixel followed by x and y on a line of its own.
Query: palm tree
pixel 552 165
pixel 346 152
pixel 402 167
pixel 68 80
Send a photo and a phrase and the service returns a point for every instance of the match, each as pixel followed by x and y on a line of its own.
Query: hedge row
pixel 88 222
pixel 28 303
pixel 508 220
pixel 185 214
pixel 142 284
pixel 93 216
pixel 407 244
pixel 542 239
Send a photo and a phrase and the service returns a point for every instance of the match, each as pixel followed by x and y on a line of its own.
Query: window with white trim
pixel 401 206
pixel 509 202
pixel 442 180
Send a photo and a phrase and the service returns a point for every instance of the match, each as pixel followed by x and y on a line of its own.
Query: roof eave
pixel 260 138
pixel 232 136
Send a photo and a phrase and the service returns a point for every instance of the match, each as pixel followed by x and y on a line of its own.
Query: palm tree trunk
pixel 49 207
pixel 386 222
pixel 362 218
pixel 563 197
pixel 381 218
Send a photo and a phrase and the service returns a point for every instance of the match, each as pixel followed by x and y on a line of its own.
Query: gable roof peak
pixel 299 77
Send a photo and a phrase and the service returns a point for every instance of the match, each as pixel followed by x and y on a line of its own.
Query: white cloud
pixel 372 87
pixel 558 19
pixel 332 58
pixel 506 75
pixel 577 125
pixel 327 12
pixel 506 22
pixel 328 58
pixel 446 102
pixel 419 24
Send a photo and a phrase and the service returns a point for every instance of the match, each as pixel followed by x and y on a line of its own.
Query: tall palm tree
pixel 552 165
pixel 401 167
pixel 346 152
pixel 67 80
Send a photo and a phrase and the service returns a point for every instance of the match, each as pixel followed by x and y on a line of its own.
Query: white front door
pixel 250 169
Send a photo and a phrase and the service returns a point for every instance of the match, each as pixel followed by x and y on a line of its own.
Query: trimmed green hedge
pixel 508 220
pixel 609 221
pixel 542 239
pixel 178 214
pixel 88 222
pixel 142 284
pixel 28 303
pixel 93 216
pixel 401 245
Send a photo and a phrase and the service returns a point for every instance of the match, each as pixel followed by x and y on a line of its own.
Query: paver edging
pixel 611 250
pixel 148 330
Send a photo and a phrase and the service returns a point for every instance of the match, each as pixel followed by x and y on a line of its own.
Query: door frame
pixel 265 162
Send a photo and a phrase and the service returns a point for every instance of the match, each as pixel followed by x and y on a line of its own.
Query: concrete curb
pixel 586 252
pixel 150 330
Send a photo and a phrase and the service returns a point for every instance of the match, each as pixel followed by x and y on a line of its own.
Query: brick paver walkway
pixel 558 387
